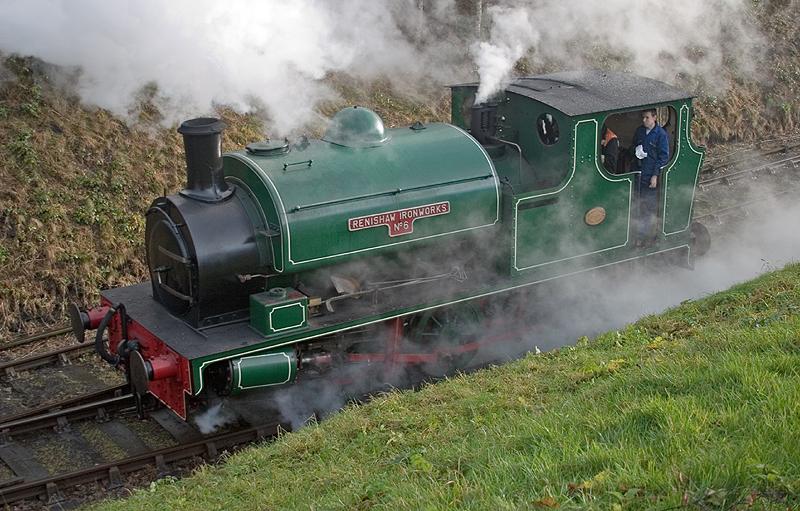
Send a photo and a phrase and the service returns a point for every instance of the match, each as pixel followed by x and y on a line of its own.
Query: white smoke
pixel 513 33
pixel 278 58
pixel 669 41
pixel 554 314
pixel 214 418
pixel 743 247
pixel 248 55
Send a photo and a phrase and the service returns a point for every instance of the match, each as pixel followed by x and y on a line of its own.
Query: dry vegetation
pixel 754 110
pixel 76 181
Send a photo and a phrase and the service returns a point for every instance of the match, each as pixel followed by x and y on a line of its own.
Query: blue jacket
pixel 656 145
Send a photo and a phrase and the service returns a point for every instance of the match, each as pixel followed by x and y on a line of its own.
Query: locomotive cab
pixel 556 177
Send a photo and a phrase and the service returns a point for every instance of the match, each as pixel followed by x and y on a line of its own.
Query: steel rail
pixel 208 447
pixel 21 341
pixel 728 210
pixel 38 360
pixel 794 160
pixel 716 165
pixel 82 407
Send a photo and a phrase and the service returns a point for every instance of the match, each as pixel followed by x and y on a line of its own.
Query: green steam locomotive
pixel 376 247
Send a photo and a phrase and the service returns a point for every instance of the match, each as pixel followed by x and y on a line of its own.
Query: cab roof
pixel 594 91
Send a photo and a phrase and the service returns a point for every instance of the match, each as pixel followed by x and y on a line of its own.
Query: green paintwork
pixel 356 127
pixel 549 226
pixel 556 185
pixel 680 178
pixel 308 195
pixel 275 367
pixel 278 310
pixel 542 166
pixel 544 197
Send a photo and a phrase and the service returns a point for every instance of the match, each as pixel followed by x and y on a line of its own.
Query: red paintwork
pixel 164 366
pixel 392 348
pixel 173 374
pixel 391 355
pixel 96 316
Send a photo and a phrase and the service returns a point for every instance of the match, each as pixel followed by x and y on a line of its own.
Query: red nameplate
pixel 400 221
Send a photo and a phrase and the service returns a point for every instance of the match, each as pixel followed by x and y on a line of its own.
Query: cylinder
pixel 267 369
pixel 202 140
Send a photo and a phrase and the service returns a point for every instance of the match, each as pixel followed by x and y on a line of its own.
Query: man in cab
pixel 651 151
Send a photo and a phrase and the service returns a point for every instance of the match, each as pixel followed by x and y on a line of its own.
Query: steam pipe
pixel 519 150
pixel 99 344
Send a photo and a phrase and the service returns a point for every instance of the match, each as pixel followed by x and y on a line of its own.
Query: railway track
pixel 98 437
pixel 93 404
pixel 33 383
pixel 51 488
pixel 24 340
pixel 110 413
pixel 787 163
pixel 744 206
pixel 746 155
pixel 63 355
pixel 727 188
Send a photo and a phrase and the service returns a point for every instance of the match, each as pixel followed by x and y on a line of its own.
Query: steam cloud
pixel 274 57
pixel 248 55
pixel 214 417
pixel 513 33
pixel 655 39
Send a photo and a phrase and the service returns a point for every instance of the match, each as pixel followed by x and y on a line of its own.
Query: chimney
pixel 205 180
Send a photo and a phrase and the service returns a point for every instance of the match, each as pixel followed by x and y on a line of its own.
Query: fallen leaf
pixel 546 502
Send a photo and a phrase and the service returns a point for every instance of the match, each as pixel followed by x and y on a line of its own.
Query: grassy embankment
pixel 697 407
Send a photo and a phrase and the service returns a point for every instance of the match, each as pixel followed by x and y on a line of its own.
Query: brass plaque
pixel 595 216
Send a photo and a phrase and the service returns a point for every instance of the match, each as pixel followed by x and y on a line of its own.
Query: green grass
pixel 698 407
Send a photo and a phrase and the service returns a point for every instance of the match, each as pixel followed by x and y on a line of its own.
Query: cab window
pixel 615 137
pixel 547 127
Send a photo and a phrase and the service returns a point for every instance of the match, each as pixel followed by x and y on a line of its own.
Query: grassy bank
pixel 697 407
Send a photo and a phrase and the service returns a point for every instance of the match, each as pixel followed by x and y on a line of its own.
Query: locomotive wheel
pixel 445 328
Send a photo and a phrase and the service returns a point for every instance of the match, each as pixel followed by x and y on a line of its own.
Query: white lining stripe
pixel 569 180
pixel 263 175
pixel 295 304
pixel 239 364
pixel 687 138
pixel 261 213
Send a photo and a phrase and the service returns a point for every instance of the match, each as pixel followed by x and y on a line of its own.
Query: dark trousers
pixel 648 209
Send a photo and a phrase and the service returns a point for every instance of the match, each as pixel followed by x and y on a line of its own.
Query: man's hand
pixel 653 181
